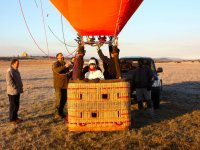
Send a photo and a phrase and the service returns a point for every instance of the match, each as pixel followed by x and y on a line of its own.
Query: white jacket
pixel 94 74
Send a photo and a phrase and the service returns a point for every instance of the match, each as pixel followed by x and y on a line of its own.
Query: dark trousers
pixel 61 98
pixel 14 106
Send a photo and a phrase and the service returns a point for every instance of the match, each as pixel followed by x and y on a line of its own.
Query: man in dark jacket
pixel 60 74
pixel 14 89
pixel 142 81
pixel 110 64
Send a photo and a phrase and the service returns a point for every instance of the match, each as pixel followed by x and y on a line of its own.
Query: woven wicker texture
pixel 98 106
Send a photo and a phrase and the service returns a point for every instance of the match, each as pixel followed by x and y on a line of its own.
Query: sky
pixel 159 28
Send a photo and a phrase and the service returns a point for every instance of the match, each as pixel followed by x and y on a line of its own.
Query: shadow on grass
pixel 176 100
pixel 42 87
pixel 35 118
pixel 30 79
pixel 35 79
pixel 3 81
pixel 42 120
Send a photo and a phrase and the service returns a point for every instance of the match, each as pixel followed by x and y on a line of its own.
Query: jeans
pixel 143 94
pixel 61 99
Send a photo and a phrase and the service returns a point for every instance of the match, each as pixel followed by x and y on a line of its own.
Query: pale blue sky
pixel 159 28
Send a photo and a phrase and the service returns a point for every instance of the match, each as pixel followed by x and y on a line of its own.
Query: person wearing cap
pixel 86 68
pixel 93 73
pixel 110 68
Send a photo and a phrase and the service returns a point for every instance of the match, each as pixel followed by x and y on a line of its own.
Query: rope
pixel 72 52
pixel 29 29
pixel 117 23
pixel 64 37
pixel 44 27
pixel 58 38
pixel 36 3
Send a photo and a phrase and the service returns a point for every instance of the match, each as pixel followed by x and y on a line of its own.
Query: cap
pixel 92 61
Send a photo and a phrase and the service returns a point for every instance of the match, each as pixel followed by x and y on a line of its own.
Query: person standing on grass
pixel 14 89
pixel 142 81
pixel 60 75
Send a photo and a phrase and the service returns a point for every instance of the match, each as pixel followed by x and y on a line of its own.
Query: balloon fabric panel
pixel 97 17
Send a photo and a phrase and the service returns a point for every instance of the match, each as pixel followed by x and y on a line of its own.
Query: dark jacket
pixel 142 77
pixel 60 74
pixel 14 82
pixel 110 70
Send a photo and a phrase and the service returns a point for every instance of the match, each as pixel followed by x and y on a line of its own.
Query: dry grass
pixel 176 124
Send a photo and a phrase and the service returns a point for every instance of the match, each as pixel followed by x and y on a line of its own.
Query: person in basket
pixel 93 74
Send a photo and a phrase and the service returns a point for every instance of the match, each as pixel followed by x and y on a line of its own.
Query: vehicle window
pixel 152 66
pixel 134 64
pixel 127 65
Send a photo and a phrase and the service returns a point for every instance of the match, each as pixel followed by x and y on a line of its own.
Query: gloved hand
pixel 86 79
pixel 96 80
pixel 99 46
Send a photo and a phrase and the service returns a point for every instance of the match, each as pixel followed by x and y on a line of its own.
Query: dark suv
pixel 128 64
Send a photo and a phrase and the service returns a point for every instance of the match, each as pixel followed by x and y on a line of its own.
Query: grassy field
pixel 176 124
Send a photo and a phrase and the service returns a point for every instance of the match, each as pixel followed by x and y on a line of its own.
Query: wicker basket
pixel 103 106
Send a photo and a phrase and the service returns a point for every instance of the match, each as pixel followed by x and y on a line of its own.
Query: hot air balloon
pixel 100 18
pixel 108 100
pixel 97 17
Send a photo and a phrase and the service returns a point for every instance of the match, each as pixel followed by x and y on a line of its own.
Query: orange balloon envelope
pixel 97 17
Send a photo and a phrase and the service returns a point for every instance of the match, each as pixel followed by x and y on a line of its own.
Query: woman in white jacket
pixel 93 73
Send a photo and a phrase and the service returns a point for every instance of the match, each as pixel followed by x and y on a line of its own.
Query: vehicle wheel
pixel 156 99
